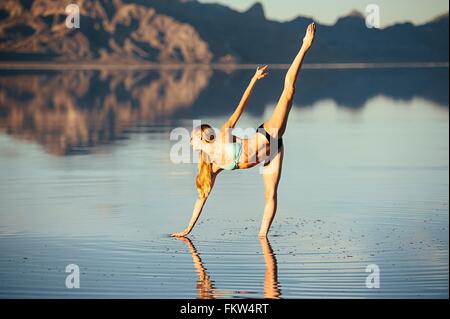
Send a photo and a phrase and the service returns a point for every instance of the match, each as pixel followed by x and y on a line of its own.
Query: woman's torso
pixel 252 153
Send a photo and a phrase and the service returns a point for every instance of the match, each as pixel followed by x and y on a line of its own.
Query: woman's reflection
pixel 205 286
pixel 271 285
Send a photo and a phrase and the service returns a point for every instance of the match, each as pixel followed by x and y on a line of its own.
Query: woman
pixel 223 151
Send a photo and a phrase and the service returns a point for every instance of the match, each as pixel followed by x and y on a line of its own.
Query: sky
pixel 327 11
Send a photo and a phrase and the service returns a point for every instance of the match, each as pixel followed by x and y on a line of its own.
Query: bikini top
pixel 234 151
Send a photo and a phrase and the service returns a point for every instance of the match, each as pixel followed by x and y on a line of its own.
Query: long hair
pixel 204 176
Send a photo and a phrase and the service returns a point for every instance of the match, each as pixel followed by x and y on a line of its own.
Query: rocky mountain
pixel 109 31
pixel 192 32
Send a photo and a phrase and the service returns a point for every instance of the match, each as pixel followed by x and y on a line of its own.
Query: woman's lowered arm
pixel 198 207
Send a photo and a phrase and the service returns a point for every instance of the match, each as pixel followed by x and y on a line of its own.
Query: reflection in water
pixel 69 111
pixel 271 286
pixel 205 286
pixel 72 111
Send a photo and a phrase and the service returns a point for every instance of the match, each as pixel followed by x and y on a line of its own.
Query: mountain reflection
pixel 72 111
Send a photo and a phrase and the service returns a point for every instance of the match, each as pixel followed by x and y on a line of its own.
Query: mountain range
pixel 187 31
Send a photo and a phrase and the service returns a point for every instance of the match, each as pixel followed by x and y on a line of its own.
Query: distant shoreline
pixel 6 65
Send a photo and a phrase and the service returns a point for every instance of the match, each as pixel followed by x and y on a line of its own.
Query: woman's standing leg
pixel 271 175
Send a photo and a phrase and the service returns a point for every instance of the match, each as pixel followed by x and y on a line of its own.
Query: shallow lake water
pixel 87 179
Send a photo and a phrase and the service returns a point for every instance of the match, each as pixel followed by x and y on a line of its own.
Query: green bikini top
pixel 234 151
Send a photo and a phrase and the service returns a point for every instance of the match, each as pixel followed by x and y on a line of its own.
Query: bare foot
pixel 181 233
pixel 309 36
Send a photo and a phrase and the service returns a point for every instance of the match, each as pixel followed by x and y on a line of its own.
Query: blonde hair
pixel 204 177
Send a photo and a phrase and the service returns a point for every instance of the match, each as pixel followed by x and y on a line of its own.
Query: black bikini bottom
pixel 270 138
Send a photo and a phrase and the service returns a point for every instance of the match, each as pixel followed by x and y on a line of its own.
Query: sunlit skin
pixel 205 285
pixel 275 125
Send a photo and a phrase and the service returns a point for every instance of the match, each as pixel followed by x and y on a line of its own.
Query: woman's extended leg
pixel 271 175
pixel 276 124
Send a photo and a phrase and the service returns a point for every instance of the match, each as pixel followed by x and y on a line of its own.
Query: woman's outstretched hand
pixel 261 72
pixel 309 36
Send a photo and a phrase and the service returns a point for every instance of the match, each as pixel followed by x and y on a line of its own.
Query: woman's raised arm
pixel 259 74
